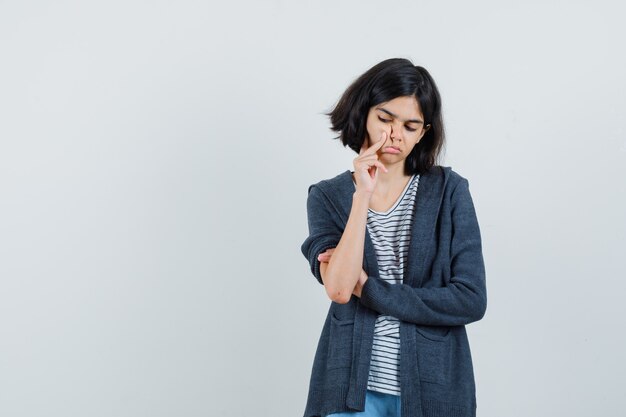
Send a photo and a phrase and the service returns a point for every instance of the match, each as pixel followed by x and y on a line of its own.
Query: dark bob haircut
pixel 389 79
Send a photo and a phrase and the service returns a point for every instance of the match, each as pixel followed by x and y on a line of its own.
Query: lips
pixel 391 149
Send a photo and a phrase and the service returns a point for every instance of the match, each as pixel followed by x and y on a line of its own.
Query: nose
pixel 395 133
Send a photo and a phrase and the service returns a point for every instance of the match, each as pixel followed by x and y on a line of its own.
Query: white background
pixel 154 165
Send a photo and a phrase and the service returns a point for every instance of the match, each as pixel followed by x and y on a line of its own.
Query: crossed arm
pixel 463 300
pixel 324 258
pixel 341 274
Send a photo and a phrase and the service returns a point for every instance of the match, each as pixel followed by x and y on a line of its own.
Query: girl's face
pixel 403 121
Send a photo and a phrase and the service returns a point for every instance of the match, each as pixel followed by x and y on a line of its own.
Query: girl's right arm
pixel 343 270
pixel 341 273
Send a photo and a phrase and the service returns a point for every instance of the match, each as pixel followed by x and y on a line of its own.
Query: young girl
pixel 397 246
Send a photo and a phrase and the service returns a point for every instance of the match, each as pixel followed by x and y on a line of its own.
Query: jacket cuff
pixel 372 293
pixel 315 252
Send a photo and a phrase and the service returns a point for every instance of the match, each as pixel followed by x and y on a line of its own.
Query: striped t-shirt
pixel 390 232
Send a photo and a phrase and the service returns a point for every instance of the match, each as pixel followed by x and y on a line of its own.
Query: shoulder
pixel 446 175
pixel 457 189
pixel 341 182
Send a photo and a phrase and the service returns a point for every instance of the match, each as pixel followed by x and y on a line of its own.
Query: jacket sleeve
pixel 463 300
pixel 323 230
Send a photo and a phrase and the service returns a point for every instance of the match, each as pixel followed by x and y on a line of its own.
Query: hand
pixel 366 165
pixel 325 257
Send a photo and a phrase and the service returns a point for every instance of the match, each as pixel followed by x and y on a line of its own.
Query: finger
pixel 368 162
pixel 323 257
pixel 375 147
pixel 368 159
pixel 372 165
pixel 383 139
pixel 372 171
pixel 380 164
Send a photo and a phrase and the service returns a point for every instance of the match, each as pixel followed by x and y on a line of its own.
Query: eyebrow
pixel 393 115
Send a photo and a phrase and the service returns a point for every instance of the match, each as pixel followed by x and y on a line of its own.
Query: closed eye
pixel 410 129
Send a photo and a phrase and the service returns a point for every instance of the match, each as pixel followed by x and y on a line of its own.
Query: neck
pixel 395 175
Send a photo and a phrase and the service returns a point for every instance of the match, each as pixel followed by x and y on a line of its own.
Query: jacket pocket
pixel 433 354
pixel 340 343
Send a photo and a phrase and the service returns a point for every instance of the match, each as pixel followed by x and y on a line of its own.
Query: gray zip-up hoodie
pixel 443 289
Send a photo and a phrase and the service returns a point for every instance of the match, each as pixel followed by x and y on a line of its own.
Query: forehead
pixel 405 108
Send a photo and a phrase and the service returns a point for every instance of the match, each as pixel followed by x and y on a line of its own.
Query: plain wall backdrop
pixel 154 165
